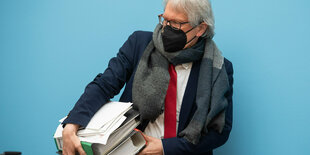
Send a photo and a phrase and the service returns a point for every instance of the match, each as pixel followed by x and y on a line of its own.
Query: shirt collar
pixel 185 66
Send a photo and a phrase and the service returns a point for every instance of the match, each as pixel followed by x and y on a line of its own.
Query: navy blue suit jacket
pixel 121 70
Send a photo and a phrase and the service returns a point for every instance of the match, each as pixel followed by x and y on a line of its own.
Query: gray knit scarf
pixel 152 78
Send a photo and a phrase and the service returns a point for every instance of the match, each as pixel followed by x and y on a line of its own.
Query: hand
pixel 71 142
pixel 154 146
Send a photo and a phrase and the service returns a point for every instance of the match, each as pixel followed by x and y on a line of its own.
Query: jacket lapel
pixel 188 106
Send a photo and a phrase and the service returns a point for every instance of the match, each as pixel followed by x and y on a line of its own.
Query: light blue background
pixel 50 50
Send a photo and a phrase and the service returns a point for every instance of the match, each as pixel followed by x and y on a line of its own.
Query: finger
pixel 68 152
pixel 65 151
pixel 142 152
pixel 147 138
pixel 145 150
pixel 80 150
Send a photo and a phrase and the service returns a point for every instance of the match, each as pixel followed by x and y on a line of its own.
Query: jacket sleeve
pixel 105 85
pixel 212 139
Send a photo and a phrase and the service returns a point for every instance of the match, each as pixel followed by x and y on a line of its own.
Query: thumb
pixel 148 138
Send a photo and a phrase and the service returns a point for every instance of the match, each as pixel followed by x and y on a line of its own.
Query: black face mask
pixel 174 40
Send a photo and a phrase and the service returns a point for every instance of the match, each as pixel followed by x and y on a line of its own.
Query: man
pixel 175 77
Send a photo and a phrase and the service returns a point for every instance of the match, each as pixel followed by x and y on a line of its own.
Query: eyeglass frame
pixel 160 17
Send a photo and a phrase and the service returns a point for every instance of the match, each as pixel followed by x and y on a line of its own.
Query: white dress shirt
pixel 156 129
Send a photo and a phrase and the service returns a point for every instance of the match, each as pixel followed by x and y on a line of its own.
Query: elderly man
pixel 176 78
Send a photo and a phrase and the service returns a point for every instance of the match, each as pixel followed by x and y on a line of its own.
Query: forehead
pixel 176 13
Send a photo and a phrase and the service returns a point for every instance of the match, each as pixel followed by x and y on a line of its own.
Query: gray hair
pixel 197 11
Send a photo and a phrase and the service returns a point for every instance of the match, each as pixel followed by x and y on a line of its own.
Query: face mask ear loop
pixel 191 39
pixel 190 29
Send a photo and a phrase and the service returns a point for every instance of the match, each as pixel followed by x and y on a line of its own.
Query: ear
pixel 202 29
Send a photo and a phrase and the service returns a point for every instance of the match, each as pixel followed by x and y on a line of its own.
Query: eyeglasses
pixel 173 24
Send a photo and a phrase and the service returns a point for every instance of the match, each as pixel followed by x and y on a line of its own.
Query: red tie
pixel 171 105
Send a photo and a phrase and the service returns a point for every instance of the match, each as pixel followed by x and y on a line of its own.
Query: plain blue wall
pixel 50 50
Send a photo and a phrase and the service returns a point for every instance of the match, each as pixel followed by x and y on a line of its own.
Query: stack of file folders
pixel 111 131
